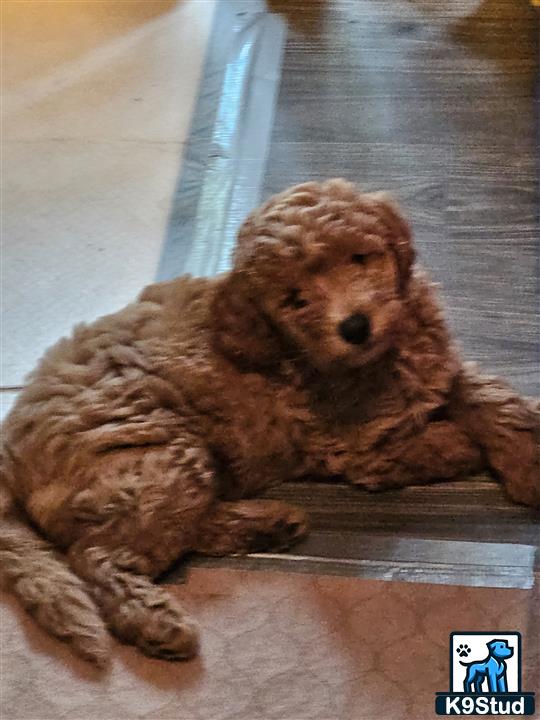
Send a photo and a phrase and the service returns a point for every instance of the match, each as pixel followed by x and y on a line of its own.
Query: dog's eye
pixel 295 300
pixel 359 258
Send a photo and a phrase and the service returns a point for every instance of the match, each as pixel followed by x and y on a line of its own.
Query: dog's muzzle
pixel 355 329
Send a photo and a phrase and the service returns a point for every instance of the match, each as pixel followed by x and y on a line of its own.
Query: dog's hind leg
pixel 506 428
pixel 469 680
pixel 478 684
pixel 135 610
pixel 250 526
pixel 138 519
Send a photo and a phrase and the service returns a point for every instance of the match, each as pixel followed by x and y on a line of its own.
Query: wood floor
pixel 436 106
pixel 433 101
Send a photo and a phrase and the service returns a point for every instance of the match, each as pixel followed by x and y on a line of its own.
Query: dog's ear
pixel 400 235
pixel 241 329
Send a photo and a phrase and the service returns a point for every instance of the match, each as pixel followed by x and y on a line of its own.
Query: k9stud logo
pixel 485 676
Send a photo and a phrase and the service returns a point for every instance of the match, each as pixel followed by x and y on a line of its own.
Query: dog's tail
pixel 50 592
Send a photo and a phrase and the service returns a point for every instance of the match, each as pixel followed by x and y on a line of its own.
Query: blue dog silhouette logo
pixel 485 676
pixel 491 669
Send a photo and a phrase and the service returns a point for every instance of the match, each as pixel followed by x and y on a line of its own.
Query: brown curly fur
pixel 141 436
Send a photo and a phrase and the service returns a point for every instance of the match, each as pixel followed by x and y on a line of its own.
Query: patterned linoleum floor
pixel 275 647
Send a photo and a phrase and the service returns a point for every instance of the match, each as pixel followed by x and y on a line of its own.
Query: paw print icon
pixel 463 650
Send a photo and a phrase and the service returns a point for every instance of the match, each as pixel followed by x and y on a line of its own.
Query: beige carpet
pixel 274 646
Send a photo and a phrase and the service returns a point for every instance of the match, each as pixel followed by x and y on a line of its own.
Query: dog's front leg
pixel 438 451
pixel 492 679
pixel 246 526
pixel 470 682
pixel 505 426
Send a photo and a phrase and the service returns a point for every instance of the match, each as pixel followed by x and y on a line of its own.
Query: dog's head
pixel 321 268
pixel 500 649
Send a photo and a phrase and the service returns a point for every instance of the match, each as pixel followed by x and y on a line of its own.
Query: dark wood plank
pixel 471 510
pixel 433 102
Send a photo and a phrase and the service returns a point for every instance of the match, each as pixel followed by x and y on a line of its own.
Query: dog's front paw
pixel 520 471
pixel 514 455
pixel 526 488
pixel 279 533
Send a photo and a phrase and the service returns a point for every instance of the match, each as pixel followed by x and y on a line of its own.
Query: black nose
pixel 355 329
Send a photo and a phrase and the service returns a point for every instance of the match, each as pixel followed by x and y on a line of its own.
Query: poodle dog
pixel 146 434
pixel 492 669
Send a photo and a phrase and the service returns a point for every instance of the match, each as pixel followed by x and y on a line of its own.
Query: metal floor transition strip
pixel 440 562
pixel 225 155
